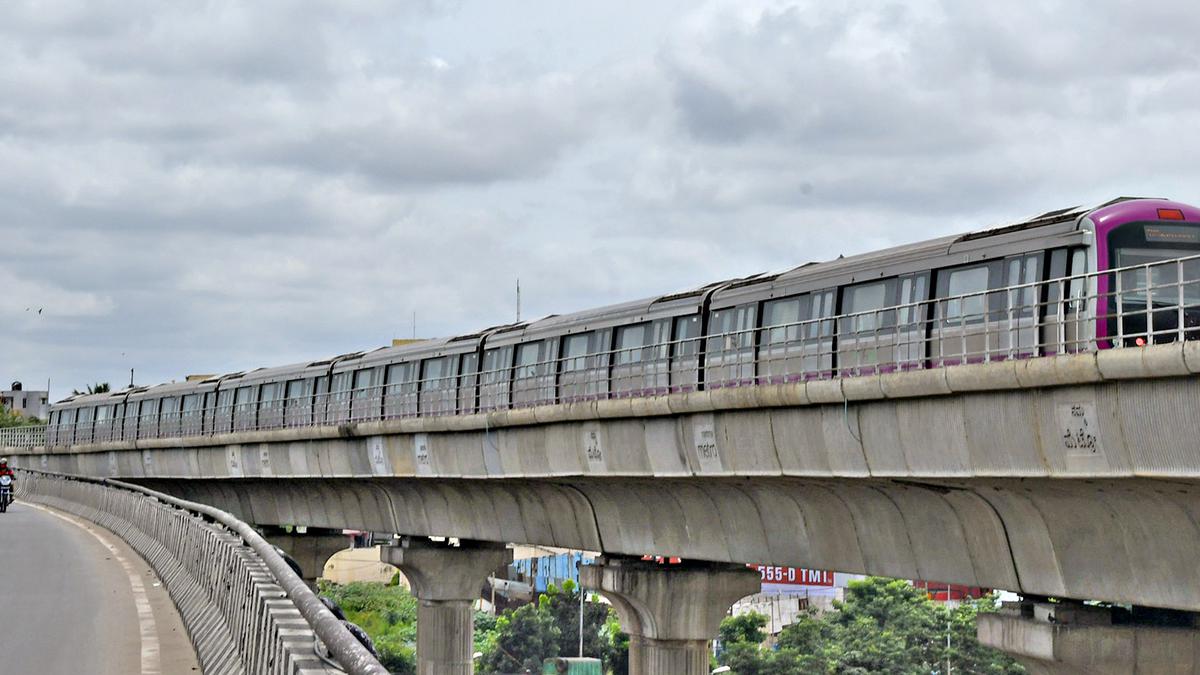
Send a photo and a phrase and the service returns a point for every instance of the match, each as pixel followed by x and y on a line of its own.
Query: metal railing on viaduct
pixel 245 609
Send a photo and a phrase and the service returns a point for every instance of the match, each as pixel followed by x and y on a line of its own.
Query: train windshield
pixel 1162 280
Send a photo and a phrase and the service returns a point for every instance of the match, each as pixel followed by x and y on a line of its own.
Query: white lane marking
pixel 146 625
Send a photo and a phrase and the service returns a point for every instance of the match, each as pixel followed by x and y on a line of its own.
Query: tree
pixel 98 388
pixel 886 626
pixel 388 614
pixel 523 639
pixel 882 626
pixel 743 628
pixel 9 418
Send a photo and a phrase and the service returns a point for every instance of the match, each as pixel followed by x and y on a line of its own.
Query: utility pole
pixel 580 610
pixel 949 625
pixel 518 299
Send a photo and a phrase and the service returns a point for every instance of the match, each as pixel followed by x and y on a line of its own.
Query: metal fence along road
pixel 1144 304
pixel 244 608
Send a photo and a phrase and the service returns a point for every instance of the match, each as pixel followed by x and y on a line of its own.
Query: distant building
pixel 26 403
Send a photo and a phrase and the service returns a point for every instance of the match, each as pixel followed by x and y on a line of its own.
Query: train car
pixel 73 420
pixel 1121 274
pixel 1137 235
pixel 643 348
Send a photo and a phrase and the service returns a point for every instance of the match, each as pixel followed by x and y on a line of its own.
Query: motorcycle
pixel 6 492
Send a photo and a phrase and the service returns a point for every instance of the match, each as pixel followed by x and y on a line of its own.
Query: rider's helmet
pixel 3 461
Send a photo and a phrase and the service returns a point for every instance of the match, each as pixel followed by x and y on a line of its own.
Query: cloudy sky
pixel 211 186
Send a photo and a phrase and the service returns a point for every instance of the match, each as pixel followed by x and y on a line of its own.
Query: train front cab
pixel 1146 303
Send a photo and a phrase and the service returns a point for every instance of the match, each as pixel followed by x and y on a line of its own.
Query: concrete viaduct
pixel 1067 477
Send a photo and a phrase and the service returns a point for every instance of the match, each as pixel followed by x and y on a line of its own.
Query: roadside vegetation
pixel 883 626
pixel 8 418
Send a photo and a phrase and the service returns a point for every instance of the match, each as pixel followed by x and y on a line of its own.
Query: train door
pixel 1064 327
pixel 729 354
pixel 967 313
pixel 1018 335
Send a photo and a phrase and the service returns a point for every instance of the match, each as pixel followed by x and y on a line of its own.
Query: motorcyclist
pixel 7 494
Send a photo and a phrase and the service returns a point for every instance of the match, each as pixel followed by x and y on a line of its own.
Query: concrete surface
pixel 67 606
pixel 1056 649
pixel 446 581
pixel 1073 476
pixel 670 612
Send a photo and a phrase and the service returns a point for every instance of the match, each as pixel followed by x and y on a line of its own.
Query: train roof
pixel 1059 227
pixel 647 309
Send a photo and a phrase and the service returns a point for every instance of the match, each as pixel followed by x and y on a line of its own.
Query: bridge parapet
pixel 244 608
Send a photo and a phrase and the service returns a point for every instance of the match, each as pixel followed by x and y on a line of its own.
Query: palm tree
pixel 98 388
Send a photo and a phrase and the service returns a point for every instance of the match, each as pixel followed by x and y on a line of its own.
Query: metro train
pixel 1043 286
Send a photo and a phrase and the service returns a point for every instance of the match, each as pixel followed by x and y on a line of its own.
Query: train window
pixel 270 405
pixel 494 380
pixel 821 307
pixel 781 319
pixel 533 379
pixel 190 421
pixel 865 301
pixel 66 420
pixel 400 390
pixel 148 418
pixel 528 356
pixel 730 351
pixel 575 350
pixel 130 428
pixel 297 403
pixel 321 399
pixel 367 395
pixel 103 424
pixel 1079 267
pixel 338 408
pixel 467 381
pixel 297 390
pixel 972 282
pixel 437 386
pixel 118 420
pixel 583 365
pixel 630 340
pixel 912 291
pixel 642 364
pixel 245 402
pixel 223 414
pixel 685 348
pixel 169 424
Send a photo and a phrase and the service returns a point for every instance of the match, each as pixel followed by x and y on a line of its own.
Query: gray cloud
pixel 218 186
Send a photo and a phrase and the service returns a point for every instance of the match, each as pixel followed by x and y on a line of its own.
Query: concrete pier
pixel 446 580
pixel 1075 639
pixel 310 550
pixel 669 611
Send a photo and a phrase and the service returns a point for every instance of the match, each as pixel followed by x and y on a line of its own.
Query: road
pixel 69 602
